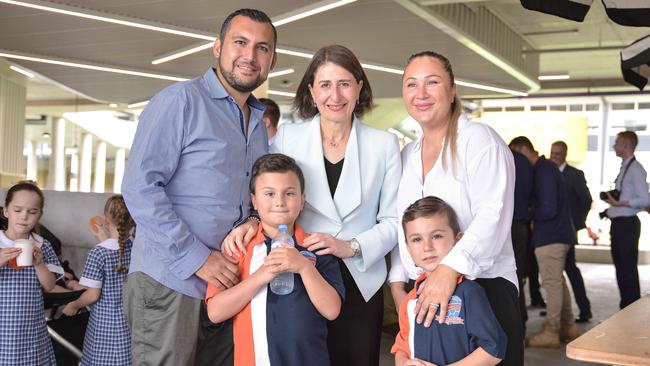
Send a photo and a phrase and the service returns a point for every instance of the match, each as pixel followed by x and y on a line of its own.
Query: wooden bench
pixel 623 339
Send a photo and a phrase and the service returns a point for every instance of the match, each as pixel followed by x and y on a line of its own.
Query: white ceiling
pixel 378 31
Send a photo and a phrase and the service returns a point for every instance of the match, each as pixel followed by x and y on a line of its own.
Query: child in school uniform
pixel 108 339
pixel 23 333
pixel 470 333
pixel 270 329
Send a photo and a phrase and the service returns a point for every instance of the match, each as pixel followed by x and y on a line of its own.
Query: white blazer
pixel 364 205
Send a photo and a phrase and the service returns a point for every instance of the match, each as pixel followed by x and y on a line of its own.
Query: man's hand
pixel 435 293
pixel 234 244
pixel 219 271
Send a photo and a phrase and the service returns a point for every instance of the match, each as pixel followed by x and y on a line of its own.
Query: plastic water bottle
pixel 282 284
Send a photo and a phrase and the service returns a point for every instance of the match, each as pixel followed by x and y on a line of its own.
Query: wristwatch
pixel 356 247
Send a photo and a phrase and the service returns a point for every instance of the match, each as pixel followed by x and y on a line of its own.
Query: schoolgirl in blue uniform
pixel 470 333
pixel 108 339
pixel 23 333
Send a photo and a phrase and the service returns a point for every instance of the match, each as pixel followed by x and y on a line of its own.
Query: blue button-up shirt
pixel 186 180
pixel 634 189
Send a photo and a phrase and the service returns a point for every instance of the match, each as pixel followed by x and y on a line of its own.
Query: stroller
pixel 67 332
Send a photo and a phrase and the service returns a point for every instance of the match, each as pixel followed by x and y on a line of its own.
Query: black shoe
pixel 542 313
pixel 584 317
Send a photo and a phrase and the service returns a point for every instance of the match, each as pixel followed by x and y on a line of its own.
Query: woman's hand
pixel 322 244
pixel 7 254
pixel 435 293
pixel 234 244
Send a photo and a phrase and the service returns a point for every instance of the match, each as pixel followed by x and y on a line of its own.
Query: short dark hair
pixel 430 206
pixel 561 144
pixel 272 111
pixel 24 185
pixel 276 163
pixel 253 14
pixel 303 103
pixel 521 141
pixel 630 136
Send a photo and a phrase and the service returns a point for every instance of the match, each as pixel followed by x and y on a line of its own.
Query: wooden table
pixel 623 339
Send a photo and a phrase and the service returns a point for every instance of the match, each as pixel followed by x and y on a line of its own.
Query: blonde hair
pixel 116 210
pixel 451 136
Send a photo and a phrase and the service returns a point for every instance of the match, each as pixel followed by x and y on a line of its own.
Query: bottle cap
pixel 282 228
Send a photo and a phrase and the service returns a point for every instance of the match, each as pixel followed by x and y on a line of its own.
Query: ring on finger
pixel 434 305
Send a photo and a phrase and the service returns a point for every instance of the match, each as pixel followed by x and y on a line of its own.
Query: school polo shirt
pixel 469 324
pixel 281 330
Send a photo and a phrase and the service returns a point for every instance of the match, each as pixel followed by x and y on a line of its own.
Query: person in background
pixel 552 236
pixel 186 186
pixel 580 204
pixel 628 199
pixel 24 340
pixel 271 118
pixel 107 339
pixel 520 230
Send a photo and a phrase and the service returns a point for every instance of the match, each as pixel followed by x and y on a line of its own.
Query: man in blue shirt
pixel 626 228
pixel 553 232
pixel 186 186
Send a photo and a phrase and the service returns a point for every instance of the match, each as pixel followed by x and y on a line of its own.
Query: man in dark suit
pixel 580 203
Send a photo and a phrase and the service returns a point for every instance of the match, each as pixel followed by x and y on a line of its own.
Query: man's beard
pixel 241 86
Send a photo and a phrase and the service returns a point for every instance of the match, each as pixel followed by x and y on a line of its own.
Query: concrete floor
pixel 602 291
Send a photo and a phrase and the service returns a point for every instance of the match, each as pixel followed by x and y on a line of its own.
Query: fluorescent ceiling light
pixel 310 10
pixel 109 18
pixel 554 77
pixel 138 104
pixel 491 88
pixel 280 73
pixel 183 52
pixel 284 94
pixel 21 71
pixel 391 70
pixel 294 53
pixel 113 105
pixel 87 66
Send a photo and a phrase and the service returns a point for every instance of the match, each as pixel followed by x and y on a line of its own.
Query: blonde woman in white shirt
pixel 469 166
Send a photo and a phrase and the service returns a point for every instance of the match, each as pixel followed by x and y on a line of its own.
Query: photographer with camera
pixel 628 198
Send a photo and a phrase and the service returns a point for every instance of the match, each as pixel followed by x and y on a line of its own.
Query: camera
pixel 615 193
pixel 603 215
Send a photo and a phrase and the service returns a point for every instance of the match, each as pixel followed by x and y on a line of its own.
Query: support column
pixel 100 168
pixel 32 162
pixel 86 162
pixel 118 174
pixel 74 172
pixel 56 174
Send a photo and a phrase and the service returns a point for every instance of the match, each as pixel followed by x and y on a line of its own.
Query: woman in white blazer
pixel 352 173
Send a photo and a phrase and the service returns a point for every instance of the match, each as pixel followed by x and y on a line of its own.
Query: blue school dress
pixel 108 339
pixel 23 333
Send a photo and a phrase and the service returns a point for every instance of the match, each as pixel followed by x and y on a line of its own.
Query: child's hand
pixel 38 256
pixel 7 254
pixel 99 228
pixel 70 309
pixel 286 259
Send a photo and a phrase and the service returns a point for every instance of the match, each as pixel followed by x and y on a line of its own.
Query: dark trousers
pixel 577 283
pixel 354 337
pixel 533 278
pixel 520 232
pixel 215 347
pixel 625 233
pixel 502 295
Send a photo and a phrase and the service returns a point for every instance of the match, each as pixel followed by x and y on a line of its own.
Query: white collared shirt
pixel 562 167
pixel 634 189
pixel 481 192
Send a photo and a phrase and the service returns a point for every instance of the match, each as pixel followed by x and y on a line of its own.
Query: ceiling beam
pixel 454 20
